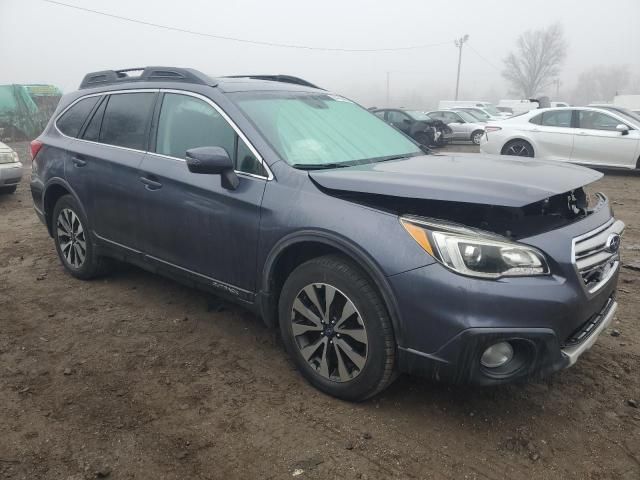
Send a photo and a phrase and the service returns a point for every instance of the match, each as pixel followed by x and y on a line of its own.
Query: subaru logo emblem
pixel 612 245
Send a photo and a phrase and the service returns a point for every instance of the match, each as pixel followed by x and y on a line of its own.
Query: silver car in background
pixel 584 135
pixel 464 126
pixel 10 169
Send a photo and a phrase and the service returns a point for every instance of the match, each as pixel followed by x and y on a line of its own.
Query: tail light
pixel 35 145
pixel 489 129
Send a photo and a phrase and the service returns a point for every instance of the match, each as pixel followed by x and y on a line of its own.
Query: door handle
pixel 78 160
pixel 150 183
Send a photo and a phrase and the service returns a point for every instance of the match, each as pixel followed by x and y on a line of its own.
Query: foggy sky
pixel 45 43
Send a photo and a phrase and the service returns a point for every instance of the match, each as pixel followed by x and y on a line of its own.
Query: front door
pixel 196 225
pixel 598 142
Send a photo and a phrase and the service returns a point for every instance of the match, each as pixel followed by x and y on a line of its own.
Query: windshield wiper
pixel 394 157
pixel 318 166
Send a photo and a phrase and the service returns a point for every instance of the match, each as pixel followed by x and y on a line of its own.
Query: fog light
pixel 497 355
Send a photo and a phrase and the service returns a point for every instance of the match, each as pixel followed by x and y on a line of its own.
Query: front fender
pixel 350 249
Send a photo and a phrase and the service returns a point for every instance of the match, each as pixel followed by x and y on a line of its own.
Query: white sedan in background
pixel 585 135
pixel 10 169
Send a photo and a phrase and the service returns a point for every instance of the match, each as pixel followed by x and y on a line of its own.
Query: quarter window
pixel 186 122
pixel 92 132
pixel 596 120
pixel 71 122
pixel 126 120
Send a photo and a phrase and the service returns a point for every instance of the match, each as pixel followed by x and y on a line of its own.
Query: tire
pixel 519 148
pixel 73 242
pixel 423 138
pixel 11 189
pixel 352 366
pixel 477 136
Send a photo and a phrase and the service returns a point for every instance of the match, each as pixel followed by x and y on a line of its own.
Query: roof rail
pixel 146 74
pixel 279 78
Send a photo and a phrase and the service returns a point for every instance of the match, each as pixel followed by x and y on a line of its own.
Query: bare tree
pixel 536 62
pixel 601 84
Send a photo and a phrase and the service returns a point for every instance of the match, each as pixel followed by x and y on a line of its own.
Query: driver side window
pixel 597 121
pixel 187 122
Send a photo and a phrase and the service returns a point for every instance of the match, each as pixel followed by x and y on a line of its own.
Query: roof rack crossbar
pixel 110 77
pixel 279 78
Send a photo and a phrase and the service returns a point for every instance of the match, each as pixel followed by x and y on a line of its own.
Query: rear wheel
pixel 477 136
pixel 518 148
pixel 336 328
pixel 73 242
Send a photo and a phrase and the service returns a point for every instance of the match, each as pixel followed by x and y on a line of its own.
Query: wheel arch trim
pixel 344 245
pixel 60 182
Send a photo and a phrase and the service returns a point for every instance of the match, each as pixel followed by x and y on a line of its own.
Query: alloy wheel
pixel 476 138
pixel 520 150
pixel 71 237
pixel 329 332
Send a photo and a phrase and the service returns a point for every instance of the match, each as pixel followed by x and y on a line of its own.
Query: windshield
pixel 417 115
pixel 317 130
pixel 491 110
pixel 624 112
pixel 467 117
pixel 477 114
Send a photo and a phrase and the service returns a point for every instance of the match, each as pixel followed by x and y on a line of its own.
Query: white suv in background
pixel 585 135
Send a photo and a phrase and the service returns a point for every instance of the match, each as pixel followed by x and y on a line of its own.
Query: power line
pixel 483 58
pixel 242 40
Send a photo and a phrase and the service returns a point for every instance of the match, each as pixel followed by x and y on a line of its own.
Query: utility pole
pixel 459 43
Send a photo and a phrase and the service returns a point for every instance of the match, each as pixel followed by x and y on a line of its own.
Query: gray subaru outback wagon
pixel 372 256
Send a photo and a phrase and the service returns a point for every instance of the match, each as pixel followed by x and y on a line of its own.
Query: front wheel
pixel 518 148
pixel 336 328
pixel 477 136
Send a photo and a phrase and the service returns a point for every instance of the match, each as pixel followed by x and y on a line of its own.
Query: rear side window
pixel 72 120
pixel 126 120
pixel 560 118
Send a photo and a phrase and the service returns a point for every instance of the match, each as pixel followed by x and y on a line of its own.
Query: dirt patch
pixel 135 376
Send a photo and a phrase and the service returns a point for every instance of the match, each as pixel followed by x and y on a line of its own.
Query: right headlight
pixel 474 253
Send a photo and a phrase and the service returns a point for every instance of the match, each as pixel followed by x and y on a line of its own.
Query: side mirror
pixel 406 121
pixel 623 129
pixel 213 161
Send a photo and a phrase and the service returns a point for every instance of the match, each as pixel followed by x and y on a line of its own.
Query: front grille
pixel 594 261
pixel 587 328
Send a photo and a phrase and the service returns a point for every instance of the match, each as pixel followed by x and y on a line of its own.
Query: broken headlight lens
pixel 474 253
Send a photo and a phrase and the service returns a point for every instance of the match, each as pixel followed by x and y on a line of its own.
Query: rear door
pixel 109 156
pixel 598 142
pixel 553 134
pixel 198 226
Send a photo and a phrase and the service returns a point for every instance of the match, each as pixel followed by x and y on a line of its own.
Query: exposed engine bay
pixel 511 222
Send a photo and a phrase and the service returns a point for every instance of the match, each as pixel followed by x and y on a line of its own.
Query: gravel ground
pixel 136 376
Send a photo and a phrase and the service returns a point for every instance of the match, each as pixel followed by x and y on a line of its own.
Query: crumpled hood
pixel 470 178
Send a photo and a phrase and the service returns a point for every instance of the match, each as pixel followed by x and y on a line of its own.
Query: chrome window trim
pixel 214 105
